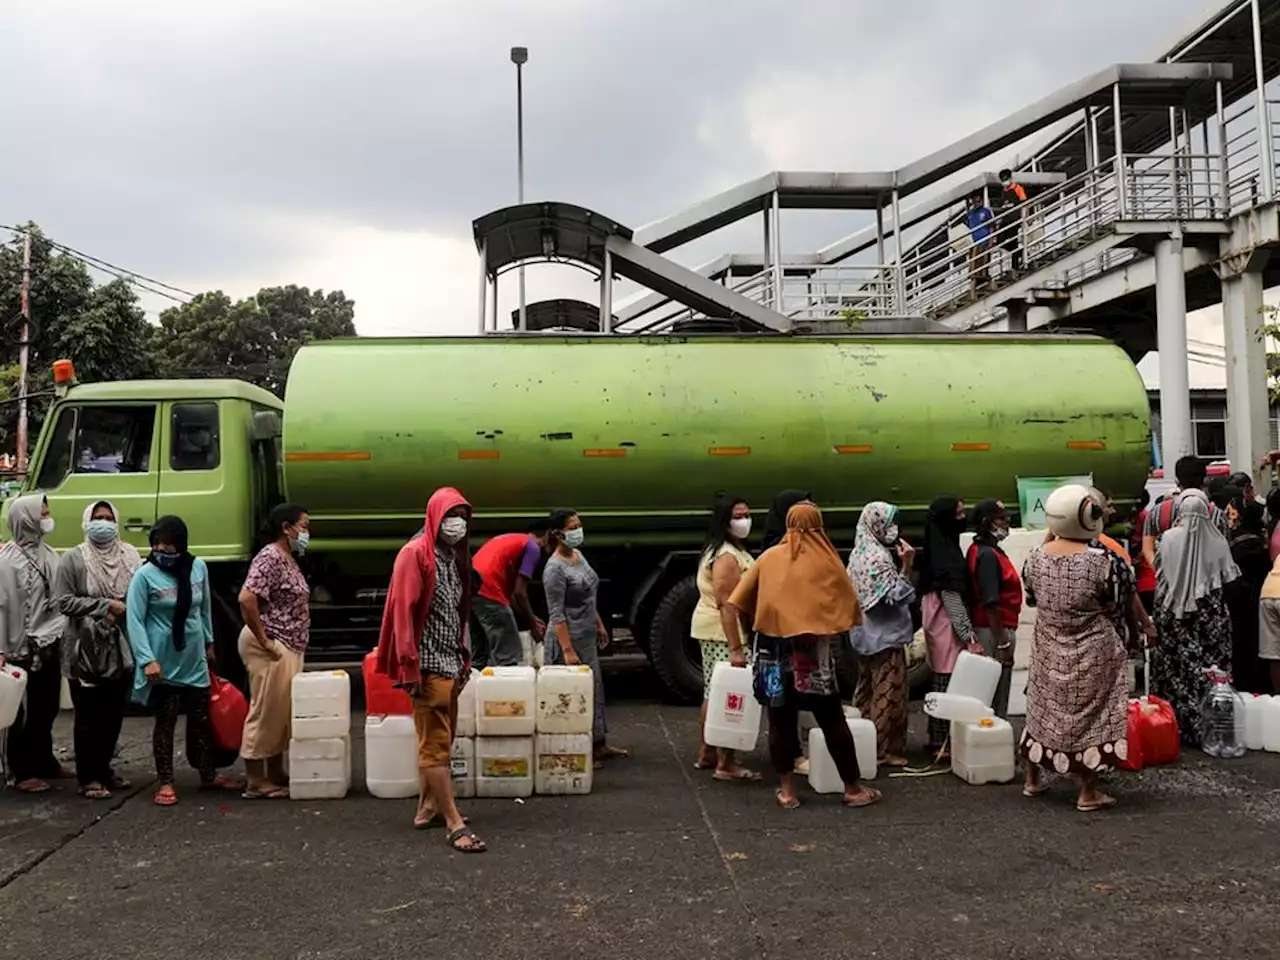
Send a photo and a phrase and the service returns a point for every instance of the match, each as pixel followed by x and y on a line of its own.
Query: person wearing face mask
pixel 996 589
pixel 30 630
pixel 944 590
pixel 169 615
pixel 716 625
pixel 422 647
pixel 880 567
pixel 275 603
pixel 91 583
pixel 570 586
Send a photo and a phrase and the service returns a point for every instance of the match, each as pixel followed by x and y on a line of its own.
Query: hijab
pixel 799 587
pixel 172 530
pixel 27 568
pixel 872 566
pixel 775 524
pixel 108 566
pixel 1195 559
pixel 942 565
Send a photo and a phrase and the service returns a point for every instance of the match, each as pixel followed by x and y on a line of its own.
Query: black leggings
pixel 31 753
pixel 99 714
pixel 784 734
pixel 195 702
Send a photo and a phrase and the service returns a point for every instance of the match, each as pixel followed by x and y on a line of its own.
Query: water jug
pixel 1222 717
pixel 1255 714
pixel 505 701
pixel 563 763
pixel 982 752
pixel 823 775
pixel 390 757
pixel 566 697
pixel 975 677
pixel 733 715
pixel 462 765
pixel 13 685
pixel 504 766
pixel 1271 725
pixel 467 708
pixel 954 706
pixel 319 769
pixel 321 705
pixel 381 696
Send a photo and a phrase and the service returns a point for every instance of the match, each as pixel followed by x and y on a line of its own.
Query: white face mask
pixel 740 527
pixel 46 526
pixel 573 538
pixel 453 529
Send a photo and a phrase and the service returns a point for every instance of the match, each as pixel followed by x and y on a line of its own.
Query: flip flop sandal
pixel 791 804
pixel 94 793
pixel 34 785
pixel 434 821
pixel 165 799
pixel 875 796
pixel 1106 803
pixel 275 793
pixel 224 783
pixel 1031 793
pixel 463 833
pixel 699 765
pixel 616 753
pixel 742 776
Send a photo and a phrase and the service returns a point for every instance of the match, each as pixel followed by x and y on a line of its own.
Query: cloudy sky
pixel 240 143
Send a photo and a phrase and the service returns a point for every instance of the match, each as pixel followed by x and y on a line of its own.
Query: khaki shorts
pixel 435 717
pixel 1269 629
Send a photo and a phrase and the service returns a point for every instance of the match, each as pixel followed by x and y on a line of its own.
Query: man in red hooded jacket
pixel 423 648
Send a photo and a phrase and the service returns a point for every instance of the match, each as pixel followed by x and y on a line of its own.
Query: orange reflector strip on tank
pixel 729 452
pixel 479 454
pixel 605 453
pixel 327 456
pixel 970 447
pixel 854 448
pixel 1086 445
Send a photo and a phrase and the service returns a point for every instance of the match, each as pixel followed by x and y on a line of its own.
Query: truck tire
pixel 672 650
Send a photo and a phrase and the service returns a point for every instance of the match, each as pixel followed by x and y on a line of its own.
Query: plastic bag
pixel 228 710
pixel 1153 734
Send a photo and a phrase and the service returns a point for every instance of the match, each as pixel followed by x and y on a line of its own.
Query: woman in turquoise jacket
pixel 171 631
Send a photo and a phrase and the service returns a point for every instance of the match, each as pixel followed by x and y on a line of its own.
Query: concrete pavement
pixel 659 862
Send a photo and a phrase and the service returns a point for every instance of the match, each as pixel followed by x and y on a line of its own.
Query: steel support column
pixel 768 257
pixel 606 294
pixel 484 279
pixel 899 281
pixel 777 251
pixel 1266 147
pixel 1171 344
pixel 1248 406
pixel 1121 187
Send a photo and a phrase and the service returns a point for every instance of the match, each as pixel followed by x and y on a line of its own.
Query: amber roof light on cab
pixel 134 390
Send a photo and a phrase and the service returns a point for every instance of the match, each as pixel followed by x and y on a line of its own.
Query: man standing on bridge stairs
pixel 1012 196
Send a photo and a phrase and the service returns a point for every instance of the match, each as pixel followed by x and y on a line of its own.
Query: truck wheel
pixel 675 655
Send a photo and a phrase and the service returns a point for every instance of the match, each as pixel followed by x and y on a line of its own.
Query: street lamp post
pixel 520 56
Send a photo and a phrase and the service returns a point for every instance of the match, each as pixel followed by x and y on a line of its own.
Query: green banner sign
pixel 1033 491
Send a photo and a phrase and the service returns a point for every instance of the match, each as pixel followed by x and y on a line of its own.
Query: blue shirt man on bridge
pixel 978 218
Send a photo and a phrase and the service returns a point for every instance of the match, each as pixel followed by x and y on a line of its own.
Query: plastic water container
pixel 1271 725
pixel 566 697
pixel 953 706
pixel 321 705
pixel 319 769
pixel 982 752
pixel 1222 718
pixel 506 700
pixel 1255 711
pixel 563 763
pixel 462 764
pixel 381 696
pixel 504 766
pixel 823 775
pixel 733 715
pixel 467 708
pixel 975 677
pixel 390 757
pixel 13 686
pixel 808 721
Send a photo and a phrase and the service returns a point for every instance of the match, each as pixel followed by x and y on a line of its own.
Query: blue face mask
pixel 101 531
pixel 165 561
pixel 299 543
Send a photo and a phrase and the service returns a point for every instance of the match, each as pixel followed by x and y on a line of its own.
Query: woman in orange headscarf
pixel 802 605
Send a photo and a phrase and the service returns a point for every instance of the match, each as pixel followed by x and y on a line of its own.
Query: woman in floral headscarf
pixel 801 604
pixel 878 567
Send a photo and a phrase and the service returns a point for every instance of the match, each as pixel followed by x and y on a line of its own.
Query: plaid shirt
pixel 441 651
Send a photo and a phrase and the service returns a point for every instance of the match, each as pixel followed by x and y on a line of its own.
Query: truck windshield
pixel 98 440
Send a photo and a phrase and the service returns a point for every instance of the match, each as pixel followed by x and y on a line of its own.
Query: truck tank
pixel 639 434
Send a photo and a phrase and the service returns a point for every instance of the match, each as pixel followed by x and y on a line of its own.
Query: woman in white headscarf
pixel 91 584
pixel 30 628
pixel 1193 566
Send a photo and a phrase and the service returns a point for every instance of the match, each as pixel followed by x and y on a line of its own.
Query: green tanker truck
pixel 638 434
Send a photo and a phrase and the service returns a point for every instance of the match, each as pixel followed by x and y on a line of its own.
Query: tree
pixel 253 339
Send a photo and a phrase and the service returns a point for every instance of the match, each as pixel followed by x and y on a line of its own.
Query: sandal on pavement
pixel 435 820
pixel 869 797
pixel 118 782
pixel 95 791
pixel 271 793
pixel 741 774
pixel 473 845
pixel 786 804
pixel 1037 791
pixel 1104 802
pixel 609 752
pixel 165 797
pixel 224 783
pixel 32 785
pixel 894 761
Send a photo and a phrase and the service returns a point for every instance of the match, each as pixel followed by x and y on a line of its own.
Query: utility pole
pixel 23 351
pixel 520 56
